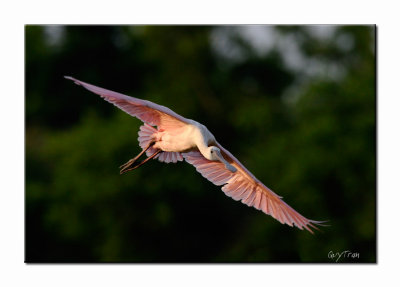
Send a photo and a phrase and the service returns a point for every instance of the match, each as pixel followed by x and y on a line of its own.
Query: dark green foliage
pixel 311 137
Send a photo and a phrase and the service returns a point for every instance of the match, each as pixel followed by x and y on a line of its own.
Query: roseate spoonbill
pixel 177 138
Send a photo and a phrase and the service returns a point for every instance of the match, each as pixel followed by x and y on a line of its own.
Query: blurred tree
pixel 308 133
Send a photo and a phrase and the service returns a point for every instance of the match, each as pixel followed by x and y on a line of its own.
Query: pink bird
pixel 177 138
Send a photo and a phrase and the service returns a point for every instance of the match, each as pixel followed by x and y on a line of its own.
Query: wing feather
pixel 243 185
pixel 146 111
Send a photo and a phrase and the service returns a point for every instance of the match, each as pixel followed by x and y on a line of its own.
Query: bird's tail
pixel 146 136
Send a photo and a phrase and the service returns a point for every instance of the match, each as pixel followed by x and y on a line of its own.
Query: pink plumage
pixel 250 192
pixel 146 133
pixel 177 138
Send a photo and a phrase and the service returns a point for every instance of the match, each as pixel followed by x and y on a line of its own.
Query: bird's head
pixel 214 154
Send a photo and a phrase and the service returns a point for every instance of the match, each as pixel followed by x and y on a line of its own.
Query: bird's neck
pixel 203 148
pixel 203 139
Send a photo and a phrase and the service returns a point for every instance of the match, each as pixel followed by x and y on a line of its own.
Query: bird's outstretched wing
pixel 146 111
pixel 244 186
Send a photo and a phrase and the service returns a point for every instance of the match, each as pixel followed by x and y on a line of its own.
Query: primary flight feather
pixel 177 138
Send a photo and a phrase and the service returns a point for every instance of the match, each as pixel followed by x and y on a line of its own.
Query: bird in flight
pixel 177 138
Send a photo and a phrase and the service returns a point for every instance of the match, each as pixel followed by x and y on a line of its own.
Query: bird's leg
pixel 135 166
pixel 131 161
pixel 131 164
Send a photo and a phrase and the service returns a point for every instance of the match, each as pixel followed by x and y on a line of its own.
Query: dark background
pixel 295 104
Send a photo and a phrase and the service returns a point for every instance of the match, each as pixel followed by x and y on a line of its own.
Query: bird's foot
pixel 133 164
